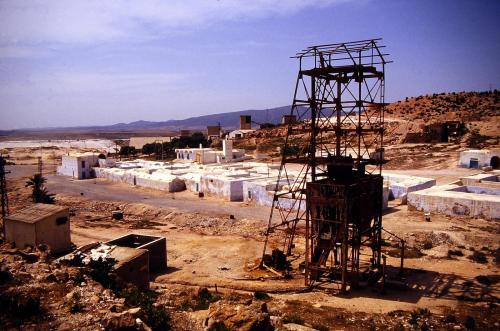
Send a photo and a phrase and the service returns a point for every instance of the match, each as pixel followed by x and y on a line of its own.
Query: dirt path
pixel 101 189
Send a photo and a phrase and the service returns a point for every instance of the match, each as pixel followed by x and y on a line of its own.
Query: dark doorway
pixel 495 162
pixel 474 163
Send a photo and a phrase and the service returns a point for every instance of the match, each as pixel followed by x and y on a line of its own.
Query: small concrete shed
pixel 40 224
pixel 155 246
pixel 132 265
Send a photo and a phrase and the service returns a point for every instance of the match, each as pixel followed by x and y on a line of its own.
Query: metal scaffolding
pixel 336 144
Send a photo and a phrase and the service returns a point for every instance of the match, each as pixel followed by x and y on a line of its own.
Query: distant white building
pixel 240 133
pixel 209 155
pixel 79 165
pixel 478 158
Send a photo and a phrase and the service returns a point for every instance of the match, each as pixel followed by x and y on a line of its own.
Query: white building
pixel 478 158
pixel 79 165
pixel 209 155
pixel 240 133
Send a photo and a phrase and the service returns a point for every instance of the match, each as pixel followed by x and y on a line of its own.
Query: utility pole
pixel 40 165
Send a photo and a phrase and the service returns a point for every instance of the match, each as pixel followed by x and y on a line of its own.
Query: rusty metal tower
pixel 330 174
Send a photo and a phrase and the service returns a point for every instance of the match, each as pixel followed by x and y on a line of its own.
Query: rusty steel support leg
pixel 382 289
pixel 345 248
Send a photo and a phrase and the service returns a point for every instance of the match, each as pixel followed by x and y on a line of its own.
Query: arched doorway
pixel 495 162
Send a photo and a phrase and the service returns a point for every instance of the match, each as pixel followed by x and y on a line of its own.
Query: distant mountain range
pixel 227 121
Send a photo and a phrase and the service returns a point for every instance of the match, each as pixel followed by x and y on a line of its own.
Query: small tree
pixel 39 193
pixel 127 150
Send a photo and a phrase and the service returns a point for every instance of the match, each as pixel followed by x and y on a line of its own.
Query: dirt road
pixel 100 189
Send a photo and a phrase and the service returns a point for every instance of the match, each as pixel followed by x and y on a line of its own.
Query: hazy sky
pixel 67 63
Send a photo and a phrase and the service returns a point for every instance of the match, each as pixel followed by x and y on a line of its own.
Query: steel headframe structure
pixel 336 150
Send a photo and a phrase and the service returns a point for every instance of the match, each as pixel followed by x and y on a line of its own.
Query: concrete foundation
pixel 238 181
pixel 156 247
pixel 209 155
pixel 132 265
pixel 401 185
pixel 469 197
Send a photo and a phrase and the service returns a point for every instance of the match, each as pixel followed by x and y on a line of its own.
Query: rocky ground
pixel 38 293
pixel 451 279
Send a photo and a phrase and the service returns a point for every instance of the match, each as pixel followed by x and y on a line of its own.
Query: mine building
pixel 79 166
pixel 214 132
pixel 476 158
pixel 40 224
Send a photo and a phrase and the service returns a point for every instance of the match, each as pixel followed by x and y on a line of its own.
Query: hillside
pixel 229 120
pixel 478 110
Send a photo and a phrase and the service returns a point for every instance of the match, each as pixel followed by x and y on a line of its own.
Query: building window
pixel 61 220
pixel 83 164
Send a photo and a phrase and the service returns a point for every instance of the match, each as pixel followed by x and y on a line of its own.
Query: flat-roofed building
pixel 79 165
pixel 40 224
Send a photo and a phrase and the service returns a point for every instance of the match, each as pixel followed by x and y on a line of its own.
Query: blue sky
pixel 67 63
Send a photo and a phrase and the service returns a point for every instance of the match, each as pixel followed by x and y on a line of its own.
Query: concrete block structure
pixel 288 119
pixel 237 134
pixel 472 196
pixel 233 181
pixel 400 185
pixel 156 178
pixel 487 180
pixel 214 131
pixel 106 163
pixel 78 166
pixel 132 265
pixel 155 246
pixel 245 122
pixel 209 155
pixel 480 158
pixel 40 224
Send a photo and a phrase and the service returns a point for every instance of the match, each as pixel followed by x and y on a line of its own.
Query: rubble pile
pixel 38 293
pixel 220 225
